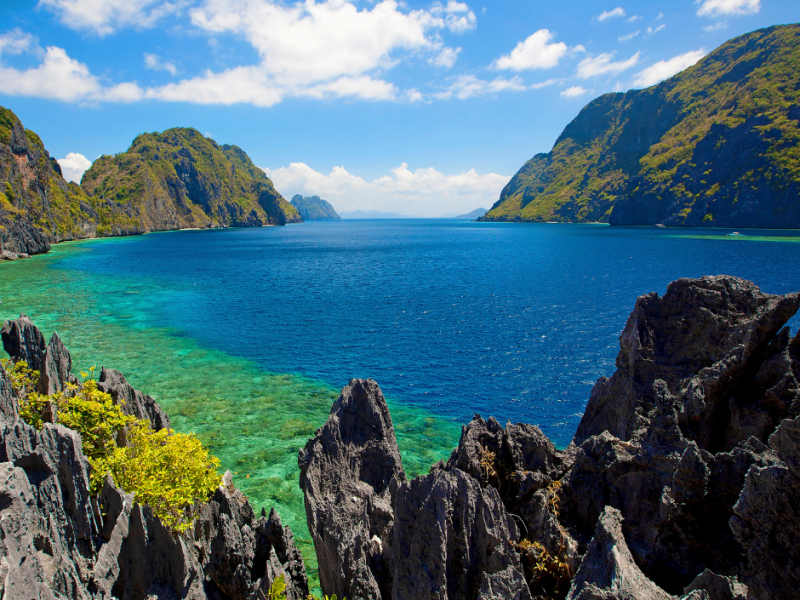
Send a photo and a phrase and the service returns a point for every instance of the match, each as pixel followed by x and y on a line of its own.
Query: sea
pixel 246 336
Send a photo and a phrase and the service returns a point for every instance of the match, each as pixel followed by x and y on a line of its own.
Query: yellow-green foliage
pixel 170 472
pixel 277 590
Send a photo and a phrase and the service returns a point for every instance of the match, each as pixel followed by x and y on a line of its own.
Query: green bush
pixel 171 472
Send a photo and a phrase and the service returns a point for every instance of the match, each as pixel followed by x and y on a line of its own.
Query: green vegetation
pixel 314 208
pixel 170 472
pixel 684 152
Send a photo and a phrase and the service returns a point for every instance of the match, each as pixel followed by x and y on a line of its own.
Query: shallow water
pixel 245 336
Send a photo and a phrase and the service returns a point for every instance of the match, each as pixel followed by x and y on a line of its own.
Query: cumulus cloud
pixel 611 14
pixel 73 166
pixel 725 8
pixel 319 50
pixel 156 63
pixel 423 192
pixel 667 68
pixel 104 17
pixel 469 86
pixel 538 51
pixel 574 91
pixel 603 64
pixel 59 77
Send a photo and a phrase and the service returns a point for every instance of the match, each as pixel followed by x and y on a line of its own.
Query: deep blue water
pixel 512 320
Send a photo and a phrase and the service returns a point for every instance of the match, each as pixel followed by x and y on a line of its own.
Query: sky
pixel 420 108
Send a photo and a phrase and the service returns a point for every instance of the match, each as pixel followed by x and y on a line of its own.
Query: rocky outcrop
pixel 59 542
pixel 682 481
pixel 134 402
pixel 347 473
pixel 314 208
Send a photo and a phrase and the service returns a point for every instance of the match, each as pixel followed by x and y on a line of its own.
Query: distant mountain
pixel 475 214
pixel 180 178
pixel 716 145
pixel 374 214
pixel 314 208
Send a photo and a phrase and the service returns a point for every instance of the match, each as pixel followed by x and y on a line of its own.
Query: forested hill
pixel 168 180
pixel 180 178
pixel 716 145
pixel 314 208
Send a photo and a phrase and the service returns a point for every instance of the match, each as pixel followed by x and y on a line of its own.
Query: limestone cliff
pixel 715 145
pixel 314 208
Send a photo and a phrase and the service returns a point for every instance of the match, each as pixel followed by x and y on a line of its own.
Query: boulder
pixel 22 340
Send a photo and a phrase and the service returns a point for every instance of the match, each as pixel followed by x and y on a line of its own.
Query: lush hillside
pixel 715 145
pixel 37 206
pixel 179 178
pixel 314 208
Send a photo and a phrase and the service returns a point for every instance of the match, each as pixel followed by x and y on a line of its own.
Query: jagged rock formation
pixel 710 147
pixel 683 479
pixel 314 208
pixel 165 181
pixel 60 543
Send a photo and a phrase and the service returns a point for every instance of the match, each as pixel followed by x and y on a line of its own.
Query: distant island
pixel 374 214
pixel 475 214
pixel 314 208
pixel 714 146
pixel 171 180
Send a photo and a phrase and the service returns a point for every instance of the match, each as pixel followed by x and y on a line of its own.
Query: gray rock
pixel 705 339
pixel 766 519
pixel 718 587
pixel 452 539
pixel 134 402
pixel 346 474
pixel 23 341
pixel 56 368
pixel 608 571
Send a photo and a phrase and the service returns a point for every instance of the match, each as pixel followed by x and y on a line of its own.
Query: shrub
pixel 171 472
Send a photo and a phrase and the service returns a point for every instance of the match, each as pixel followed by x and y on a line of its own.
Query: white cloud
pixel 446 58
pixel 469 86
pixel 634 18
pixel 716 26
pixel 628 37
pixel 723 8
pixel 319 50
pixel 574 91
pixel 611 14
pixel 654 30
pixel 156 63
pixel 536 52
pixel 591 66
pixel 73 165
pixel 103 17
pixel 543 84
pixel 423 192
pixel 17 42
pixel 59 77
pixel 667 68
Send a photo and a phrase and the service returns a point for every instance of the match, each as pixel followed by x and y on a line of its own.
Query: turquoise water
pixel 246 335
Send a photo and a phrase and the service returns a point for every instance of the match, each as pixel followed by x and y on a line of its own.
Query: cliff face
pixel 179 178
pixel 715 145
pixel 682 480
pixel 171 180
pixel 314 208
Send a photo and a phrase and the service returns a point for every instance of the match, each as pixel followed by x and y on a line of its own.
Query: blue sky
pixel 422 108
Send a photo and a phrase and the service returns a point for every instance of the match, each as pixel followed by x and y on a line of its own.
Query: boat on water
pixel 736 234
